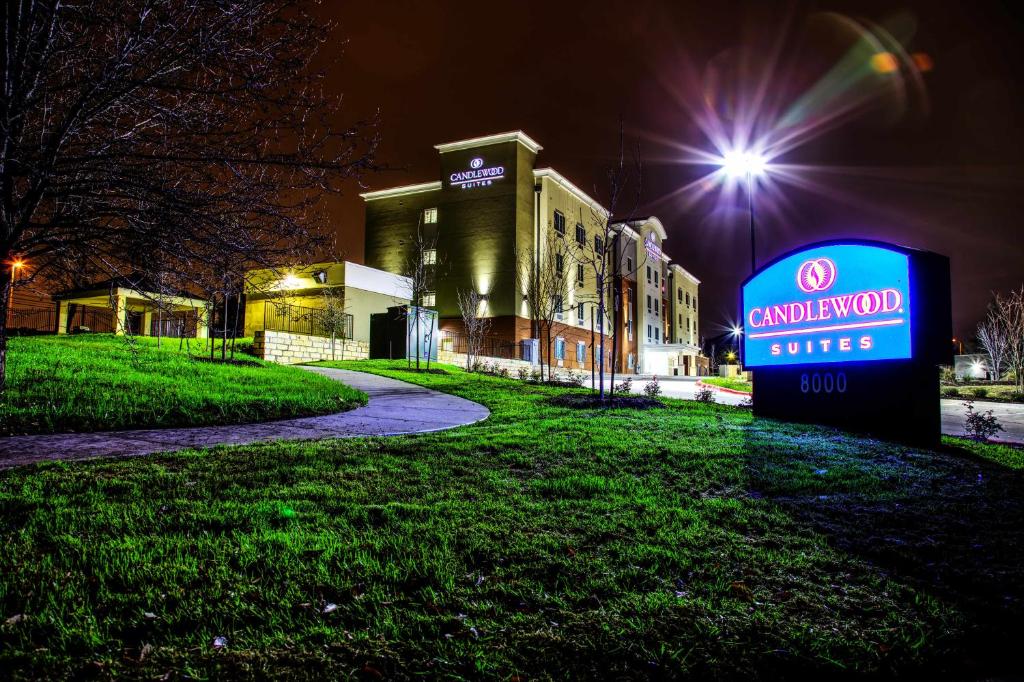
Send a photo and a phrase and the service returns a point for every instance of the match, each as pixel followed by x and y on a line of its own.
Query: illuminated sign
pixel 477 176
pixel 829 304
pixel 653 250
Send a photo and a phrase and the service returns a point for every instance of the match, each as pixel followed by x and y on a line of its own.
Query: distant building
pixel 493 204
pixel 131 305
pixel 294 300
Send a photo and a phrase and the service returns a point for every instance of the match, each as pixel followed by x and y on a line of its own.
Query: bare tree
pixel 545 287
pixel 602 254
pixel 420 267
pixel 335 318
pixel 1010 309
pixel 476 326
pixel 994 337
pixel 185 128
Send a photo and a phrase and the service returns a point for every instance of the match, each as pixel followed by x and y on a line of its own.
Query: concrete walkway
pixel 394 408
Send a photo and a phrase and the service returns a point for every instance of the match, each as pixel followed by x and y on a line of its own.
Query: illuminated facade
pixel 293 300
pixel 492 205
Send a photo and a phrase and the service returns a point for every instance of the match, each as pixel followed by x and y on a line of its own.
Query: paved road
pixel 1010 415
pixel 394 408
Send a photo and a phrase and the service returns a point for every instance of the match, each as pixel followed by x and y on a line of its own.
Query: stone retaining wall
pixel 293 349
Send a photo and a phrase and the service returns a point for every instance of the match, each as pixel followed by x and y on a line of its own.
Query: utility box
pixel 404 332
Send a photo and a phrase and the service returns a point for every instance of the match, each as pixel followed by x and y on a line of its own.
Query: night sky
pixel 931 159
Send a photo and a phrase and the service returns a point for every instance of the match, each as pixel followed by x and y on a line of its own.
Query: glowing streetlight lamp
pixel 749 165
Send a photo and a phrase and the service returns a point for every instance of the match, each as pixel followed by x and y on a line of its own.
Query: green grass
pixel 728 382
pixel 1005 393
pixel 693 541
pixel 94 382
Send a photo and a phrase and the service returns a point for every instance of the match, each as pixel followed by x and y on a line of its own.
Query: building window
pixel 581 235
pixel 581 352
pixel 648 303
pixel 655 306
pixel 655 278
pixel 559 348
pixel 579 313
pixel 429 216
pixel 559 224
pixel 680 319
pixel 648 273
pixel 657 336
pixel 630 361
pixel 694 302
pixel 648 333
pixel 679 295
pixel 629 265
pixel 579 274
pixel 428 299
pixel 687 298
pixel 559 263
pixel 557 301
pixel 430 256
pixel 598 245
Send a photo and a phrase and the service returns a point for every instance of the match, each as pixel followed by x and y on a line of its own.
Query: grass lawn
pixel 690 541
pixel 728 382
pixel 92 382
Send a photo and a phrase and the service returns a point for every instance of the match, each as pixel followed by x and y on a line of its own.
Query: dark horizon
pixel 933 164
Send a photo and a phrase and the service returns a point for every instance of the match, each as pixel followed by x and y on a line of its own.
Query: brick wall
pixel 292 349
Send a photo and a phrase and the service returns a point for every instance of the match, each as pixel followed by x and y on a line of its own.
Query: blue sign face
pixel 828 304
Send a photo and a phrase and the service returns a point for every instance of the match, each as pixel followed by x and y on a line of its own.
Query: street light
pixel 16 264
pixel 749 165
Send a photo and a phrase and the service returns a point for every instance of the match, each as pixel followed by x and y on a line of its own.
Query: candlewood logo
pixel 477 175
pixel 816 275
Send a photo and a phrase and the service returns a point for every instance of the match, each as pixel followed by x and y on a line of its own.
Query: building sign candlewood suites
pixel 831 304
pixel 851 334
pixel 477 176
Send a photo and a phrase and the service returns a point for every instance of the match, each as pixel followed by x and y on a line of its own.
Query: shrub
pixel 523 373
pixel 653 388
pixel 503 372
pixel 535 375
pixel 705 395
pixel 477 366
pixel 947 375
pixel 951 392
pixel 979 392
pixel 626 386
pixel 980 425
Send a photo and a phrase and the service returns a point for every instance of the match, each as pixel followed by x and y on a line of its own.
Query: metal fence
pixel 490 346
pixel 94 319
pixel 294 319
pixel 174 325
pixel 25 321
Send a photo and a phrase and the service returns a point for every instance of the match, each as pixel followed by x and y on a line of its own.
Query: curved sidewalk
pixel 394 408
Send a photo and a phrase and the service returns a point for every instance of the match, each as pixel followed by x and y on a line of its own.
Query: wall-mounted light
pixel 321 276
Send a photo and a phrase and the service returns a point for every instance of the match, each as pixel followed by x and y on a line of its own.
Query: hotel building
pixel 493 204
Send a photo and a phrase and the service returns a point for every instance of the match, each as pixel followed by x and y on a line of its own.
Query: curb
pixel 701 384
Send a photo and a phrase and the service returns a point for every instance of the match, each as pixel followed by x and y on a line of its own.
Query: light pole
pixel 749 165
pixel 15 264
